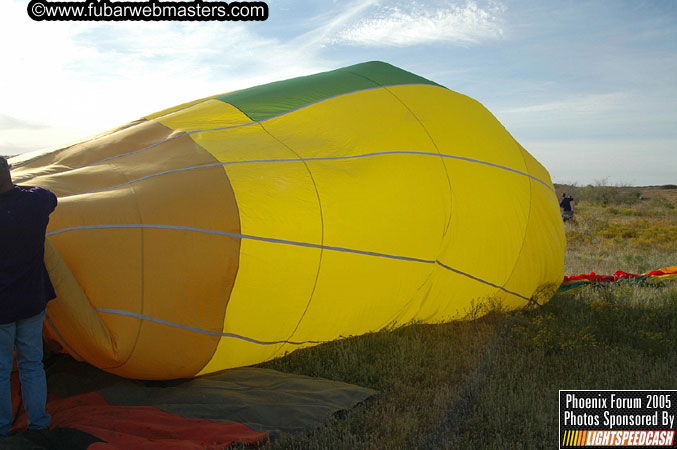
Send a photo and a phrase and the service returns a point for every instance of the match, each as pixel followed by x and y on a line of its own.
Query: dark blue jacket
pixel 565 203
pixel 25 287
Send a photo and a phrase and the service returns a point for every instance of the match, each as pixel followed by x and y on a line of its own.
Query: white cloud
pixel 70 80
pixel 638 162
pixel 8 122
pixel 582 104
pixel 332 22
pixel 417 23
pixel 628 113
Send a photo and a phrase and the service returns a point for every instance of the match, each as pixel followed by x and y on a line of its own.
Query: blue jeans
pixel 26 336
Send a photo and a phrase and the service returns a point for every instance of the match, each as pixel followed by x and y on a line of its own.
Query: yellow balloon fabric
pixel 237 228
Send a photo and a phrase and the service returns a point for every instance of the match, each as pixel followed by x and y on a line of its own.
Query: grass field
pixel 492 382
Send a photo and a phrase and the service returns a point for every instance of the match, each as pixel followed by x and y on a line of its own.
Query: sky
pixel 587 87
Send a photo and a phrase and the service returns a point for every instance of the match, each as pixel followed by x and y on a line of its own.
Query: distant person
pixel 567 208
pixel 25 289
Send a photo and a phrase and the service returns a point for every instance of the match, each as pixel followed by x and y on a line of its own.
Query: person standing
pixel 25 289
pixel 567 208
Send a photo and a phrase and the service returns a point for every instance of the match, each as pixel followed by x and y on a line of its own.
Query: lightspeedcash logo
pixel 618 438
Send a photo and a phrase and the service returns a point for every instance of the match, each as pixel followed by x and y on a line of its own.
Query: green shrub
pixel 608 195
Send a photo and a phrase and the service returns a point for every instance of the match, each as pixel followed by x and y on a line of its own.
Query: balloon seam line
pixel 318 158
pixel 200 330
pixel 281 241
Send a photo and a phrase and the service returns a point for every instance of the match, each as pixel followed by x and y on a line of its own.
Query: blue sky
pixel 588 87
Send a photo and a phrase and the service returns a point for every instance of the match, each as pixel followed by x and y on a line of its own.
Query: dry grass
pixel 635 238
pixel 492 383
pixel 419 370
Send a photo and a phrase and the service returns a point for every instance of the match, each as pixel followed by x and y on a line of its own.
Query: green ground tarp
pixel 97 410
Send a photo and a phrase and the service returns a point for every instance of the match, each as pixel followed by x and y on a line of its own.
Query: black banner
pixel 617 419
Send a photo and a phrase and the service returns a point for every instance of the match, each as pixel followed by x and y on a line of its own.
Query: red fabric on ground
pixel 592 276
pixel 618 275
pixel 15 386
pixel 655 273
pixel 141 427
